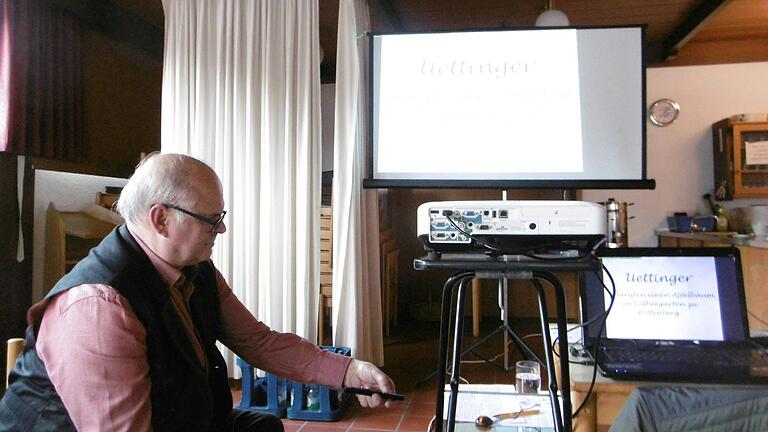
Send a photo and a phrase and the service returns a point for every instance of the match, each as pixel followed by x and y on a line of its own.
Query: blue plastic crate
pixel 332 402
pixel 262 394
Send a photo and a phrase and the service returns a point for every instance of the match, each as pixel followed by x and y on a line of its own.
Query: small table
pixel 469 266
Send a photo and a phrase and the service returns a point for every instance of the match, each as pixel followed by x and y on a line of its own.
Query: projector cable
pixel 597 340
pixel 524 252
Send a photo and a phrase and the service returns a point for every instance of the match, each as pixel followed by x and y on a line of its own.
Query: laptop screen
pixel 667 294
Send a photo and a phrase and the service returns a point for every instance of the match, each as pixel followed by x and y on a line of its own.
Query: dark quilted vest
pixel 184 397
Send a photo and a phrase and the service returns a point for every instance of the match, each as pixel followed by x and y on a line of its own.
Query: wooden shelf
pixel 85 226
pixel 70 235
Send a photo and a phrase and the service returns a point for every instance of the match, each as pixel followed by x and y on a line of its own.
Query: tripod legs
pixel 503 327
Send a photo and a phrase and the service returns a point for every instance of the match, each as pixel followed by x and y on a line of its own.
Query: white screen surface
pixel 561 104
pixel 664 298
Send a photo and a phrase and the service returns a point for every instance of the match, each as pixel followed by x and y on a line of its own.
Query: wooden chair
pixel 15 347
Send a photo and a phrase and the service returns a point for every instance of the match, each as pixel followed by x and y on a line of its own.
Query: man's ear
pixel 158 219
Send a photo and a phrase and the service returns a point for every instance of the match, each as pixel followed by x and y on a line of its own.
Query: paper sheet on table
pixel 492 399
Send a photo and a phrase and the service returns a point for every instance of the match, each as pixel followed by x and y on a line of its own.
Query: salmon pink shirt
pixel 95 351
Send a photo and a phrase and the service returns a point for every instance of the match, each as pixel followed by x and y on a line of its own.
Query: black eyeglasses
pixel 215 222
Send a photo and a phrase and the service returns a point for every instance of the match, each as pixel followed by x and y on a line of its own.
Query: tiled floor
pixel 410 357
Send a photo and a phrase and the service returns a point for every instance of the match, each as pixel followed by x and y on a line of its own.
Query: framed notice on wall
pixel 756 153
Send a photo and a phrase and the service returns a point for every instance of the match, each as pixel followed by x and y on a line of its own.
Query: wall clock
pixel 663 112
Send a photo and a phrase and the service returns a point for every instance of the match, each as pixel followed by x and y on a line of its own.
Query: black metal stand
pixel 504 267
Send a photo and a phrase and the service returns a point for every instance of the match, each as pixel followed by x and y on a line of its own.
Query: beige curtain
pixel 241 91
pixel 356 285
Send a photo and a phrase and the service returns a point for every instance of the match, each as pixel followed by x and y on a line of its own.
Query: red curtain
pixel 41 55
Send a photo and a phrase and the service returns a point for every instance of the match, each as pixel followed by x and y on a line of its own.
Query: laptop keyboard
pixel 675 356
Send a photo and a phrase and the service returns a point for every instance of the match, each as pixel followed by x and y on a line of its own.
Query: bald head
pixel 165 179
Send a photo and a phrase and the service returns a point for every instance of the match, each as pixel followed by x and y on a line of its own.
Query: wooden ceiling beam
pixel 688 28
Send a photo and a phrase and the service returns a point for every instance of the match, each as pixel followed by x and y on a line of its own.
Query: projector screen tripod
pixel 507 331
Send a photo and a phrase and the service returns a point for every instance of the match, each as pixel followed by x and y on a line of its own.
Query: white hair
pixel 159 179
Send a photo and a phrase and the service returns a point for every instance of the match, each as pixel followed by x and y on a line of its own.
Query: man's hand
pixel 366 375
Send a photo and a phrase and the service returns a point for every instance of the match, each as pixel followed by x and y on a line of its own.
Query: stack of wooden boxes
pixel 326 273
pixel 389 255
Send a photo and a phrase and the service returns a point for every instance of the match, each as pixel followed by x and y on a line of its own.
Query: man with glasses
pixel 126 340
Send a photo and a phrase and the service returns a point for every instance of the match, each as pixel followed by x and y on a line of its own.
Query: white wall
pixel 680 155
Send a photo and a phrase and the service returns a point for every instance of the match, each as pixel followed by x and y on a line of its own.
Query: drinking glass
pixel 527 376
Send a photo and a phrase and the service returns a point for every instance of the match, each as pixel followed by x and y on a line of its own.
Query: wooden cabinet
pixel 70 235
pixel 740 151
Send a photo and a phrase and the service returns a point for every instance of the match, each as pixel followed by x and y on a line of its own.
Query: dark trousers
pixel 250 421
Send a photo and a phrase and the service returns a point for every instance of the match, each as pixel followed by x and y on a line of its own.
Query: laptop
pixel 679 314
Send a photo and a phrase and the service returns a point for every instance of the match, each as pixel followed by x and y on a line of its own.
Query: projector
pixel 510 227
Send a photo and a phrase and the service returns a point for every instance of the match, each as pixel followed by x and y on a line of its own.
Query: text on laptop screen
pixel 673 298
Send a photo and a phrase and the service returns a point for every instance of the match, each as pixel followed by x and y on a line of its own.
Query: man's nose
pixel 222 228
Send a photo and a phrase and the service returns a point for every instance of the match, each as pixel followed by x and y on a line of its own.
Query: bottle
pixel 719 212
pixel 313 398
pixel 282 393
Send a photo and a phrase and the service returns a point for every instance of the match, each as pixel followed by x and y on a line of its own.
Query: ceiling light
pixel 552 17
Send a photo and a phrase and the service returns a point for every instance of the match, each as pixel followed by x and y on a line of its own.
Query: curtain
pixel 41 81
pixel 241 91
pixel 357 319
